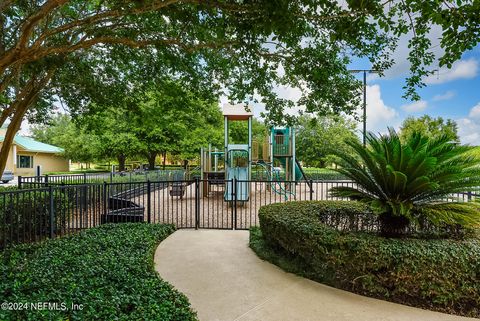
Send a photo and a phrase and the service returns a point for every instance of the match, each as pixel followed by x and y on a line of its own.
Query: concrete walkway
pixel 224 280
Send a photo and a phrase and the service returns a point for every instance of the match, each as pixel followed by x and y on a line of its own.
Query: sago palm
pixel 404 180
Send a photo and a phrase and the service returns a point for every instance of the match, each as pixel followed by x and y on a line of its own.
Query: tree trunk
pixel 19 107
pixel 185 163
pixel 164 156
pixel 121 162
pixel 151 160
pixel 393 226
pixel 12 129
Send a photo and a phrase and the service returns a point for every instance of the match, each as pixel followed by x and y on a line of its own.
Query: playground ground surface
pixel 215 212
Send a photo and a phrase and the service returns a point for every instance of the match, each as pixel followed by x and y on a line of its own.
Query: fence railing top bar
pixel 150 181
pixel 298 181
pixel 160 171
pixel 25 191
pixel 330 180
pixel 66 186
pixel 52 176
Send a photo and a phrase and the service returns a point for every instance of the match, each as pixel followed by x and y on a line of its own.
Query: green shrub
pixel 108 269
pixel 8 188
pixel 439 274
pixel 326 176
pixel 323 174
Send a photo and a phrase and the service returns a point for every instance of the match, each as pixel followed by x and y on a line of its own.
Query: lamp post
pixel 364 99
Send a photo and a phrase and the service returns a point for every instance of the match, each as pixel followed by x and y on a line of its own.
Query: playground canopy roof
pixel 236 112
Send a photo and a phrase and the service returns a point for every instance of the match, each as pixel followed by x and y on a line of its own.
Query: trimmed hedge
pixel 108 269
pixel 437 274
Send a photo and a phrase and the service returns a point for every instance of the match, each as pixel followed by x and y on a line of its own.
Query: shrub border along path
pixel 108 269
pixel 437 274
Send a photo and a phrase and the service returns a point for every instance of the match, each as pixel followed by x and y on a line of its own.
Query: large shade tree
pixel 173 119
pixel 429 126
pixel 247 46
pixel 77 143
pixel 115 133
pixel 318 140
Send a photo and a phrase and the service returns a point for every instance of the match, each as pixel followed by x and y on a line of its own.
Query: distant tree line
pixel 166 119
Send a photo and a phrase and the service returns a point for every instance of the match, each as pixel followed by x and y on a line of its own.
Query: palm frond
pixel 397 177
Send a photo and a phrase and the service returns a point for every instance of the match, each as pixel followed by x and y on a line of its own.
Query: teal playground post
pixel 238 159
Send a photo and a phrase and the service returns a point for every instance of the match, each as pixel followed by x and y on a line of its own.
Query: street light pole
pixel 364 108
pixel 364 134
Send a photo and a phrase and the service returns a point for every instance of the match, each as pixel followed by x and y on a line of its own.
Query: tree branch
pixel 104 17
pixel 407 10
pixel 5 4
pixel 33 20
pixel 84 44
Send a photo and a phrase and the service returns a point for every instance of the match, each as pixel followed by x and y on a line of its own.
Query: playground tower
pixel 282 149
pixel 238 157
pixel 275 155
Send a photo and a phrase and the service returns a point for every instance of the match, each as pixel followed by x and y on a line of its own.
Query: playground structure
pixel 275 156
pixel 279 161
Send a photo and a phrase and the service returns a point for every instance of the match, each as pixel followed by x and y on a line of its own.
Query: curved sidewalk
pixel 224 280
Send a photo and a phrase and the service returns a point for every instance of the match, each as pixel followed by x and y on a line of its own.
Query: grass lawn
pixel 108 270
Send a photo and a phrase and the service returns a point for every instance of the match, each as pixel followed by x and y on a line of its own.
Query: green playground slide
pixel 276 181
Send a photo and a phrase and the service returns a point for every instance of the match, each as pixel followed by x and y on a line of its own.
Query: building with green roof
pixel 26 154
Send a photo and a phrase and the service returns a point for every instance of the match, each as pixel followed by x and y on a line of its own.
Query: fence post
pixel 84 178
pixel 105 199
pixel 46 180
pixel 149 199
pixel 52 212
pixel 234 191
pixel 311 190
pixel 197 203
pixel 111 177
pixel 469 196
pixel 19 182
pixel 84 199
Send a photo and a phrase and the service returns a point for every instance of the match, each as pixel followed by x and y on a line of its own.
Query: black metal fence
pixel 91 178
pixel 51 208
pixel 34 214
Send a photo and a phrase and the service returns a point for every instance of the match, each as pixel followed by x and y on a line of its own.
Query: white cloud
pixel 475 112
pixel 469 128
pixel 290 93
pixel 416 106
pixel 462 69
pixel 379 115
pixel 445 96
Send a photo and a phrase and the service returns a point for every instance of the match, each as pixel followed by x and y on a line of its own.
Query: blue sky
pixel 450 93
